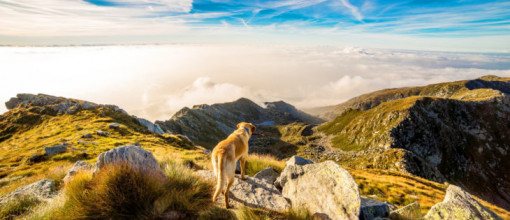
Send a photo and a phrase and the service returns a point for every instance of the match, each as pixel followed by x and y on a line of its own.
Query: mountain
pixel 456 132
pixel 206 125
pixel 456 90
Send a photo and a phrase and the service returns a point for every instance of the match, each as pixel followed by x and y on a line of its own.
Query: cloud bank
pixel 156 81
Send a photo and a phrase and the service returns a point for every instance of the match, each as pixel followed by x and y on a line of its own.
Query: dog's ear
pixel 253 128
pixel 239 125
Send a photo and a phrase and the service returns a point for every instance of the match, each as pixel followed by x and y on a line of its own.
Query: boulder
pixel 151 126
pixel 371 208
pixel 294 160
pixel 459 204
pixel 43 189
pixel 322 188
pixel 269 175
pixel 251 192
pixel 408 212
pixel 79 165
pixel 132 155
pixel 55 149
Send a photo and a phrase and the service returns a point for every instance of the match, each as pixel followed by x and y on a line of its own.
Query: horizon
pixel 154 57
pixel 155 81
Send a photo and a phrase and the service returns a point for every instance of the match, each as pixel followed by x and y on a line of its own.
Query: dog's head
pixel 247 125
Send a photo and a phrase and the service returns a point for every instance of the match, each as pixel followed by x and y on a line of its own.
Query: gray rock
pixel 102 133
pixel 151 126
pixel 408 212
pixel 371 208
pixel 207 151
pixel 322 188
pixel 294 160
pixel 89 135
pixel 132 155
pixel 78 166
pixel 251 192
pixel 114 125
pixel 55 149
pixel 269 175
pixel 43 189
pixel 458 204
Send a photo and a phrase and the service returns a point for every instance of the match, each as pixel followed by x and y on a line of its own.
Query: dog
pixel 225 155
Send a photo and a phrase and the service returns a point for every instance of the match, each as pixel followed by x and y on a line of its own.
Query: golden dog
pixel 225 155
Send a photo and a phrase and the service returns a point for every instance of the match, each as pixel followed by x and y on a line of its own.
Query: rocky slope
pixel 206 125
pixel 455 132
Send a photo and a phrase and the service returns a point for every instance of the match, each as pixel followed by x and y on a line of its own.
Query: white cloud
pixel 155 81
pixel 204 91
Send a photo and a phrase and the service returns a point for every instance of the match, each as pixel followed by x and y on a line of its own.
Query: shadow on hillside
pixel 271 143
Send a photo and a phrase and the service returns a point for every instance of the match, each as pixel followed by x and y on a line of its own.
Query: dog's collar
pixel 247 130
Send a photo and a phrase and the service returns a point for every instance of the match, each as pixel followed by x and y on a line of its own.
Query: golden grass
pixel 247 213
pixel 258 162
pixel 19 206
pixel 402 189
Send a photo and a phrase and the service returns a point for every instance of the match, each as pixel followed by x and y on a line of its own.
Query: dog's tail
pixel 220 176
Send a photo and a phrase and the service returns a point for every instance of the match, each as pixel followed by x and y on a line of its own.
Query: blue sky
pixel 461 25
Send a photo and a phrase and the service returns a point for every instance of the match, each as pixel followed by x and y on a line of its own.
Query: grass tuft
pixel 18 206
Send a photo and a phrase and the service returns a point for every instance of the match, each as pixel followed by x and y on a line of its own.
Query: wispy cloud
pixel 354 10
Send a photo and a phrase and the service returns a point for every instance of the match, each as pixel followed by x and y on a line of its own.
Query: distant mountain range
pixel 208 124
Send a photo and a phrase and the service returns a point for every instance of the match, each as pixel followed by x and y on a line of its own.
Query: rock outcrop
pixel 371 209
pixel 132 155
pixel 251 192
pixel 55 149
pixel 43 189
pixel 458 204
pixel 78 166
pixel 323 188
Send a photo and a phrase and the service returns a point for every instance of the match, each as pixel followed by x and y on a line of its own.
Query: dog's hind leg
pixel 220 176
pixel 229 183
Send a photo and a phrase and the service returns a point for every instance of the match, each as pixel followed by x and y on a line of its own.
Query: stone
pixel 43 189
pixel 371 208
pixel 102 133
pixel 459 204
pixel 89 135
pixel 251 192
pixel 408 212
pixel 132 155
pixel 55 149
pixel 322 188
pixel 269 175
pixel 78 166
pixel 294 160
pixel 114 125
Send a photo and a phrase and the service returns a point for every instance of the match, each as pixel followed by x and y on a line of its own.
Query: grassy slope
pixel 16 171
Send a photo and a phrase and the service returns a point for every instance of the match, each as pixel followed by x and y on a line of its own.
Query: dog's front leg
pixel 242 161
